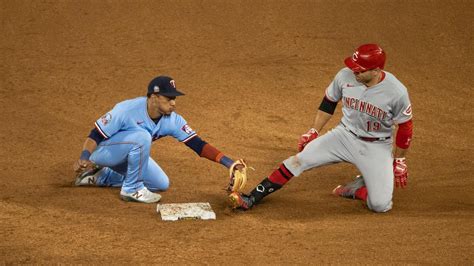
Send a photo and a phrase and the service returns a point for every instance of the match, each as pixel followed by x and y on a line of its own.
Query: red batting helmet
pixel 366 57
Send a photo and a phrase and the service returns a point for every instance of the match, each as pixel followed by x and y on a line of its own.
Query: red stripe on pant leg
pixel 278 178
pixel 361 193
pixel 286 172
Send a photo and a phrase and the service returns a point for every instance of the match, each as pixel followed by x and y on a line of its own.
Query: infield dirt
pixel 254 73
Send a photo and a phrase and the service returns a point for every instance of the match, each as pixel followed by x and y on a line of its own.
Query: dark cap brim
pixel 353 65
pixel 171 94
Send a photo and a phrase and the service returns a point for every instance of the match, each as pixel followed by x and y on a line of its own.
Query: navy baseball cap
pixel 163 85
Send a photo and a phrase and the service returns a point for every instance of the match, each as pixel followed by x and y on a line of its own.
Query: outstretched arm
pixel 208 151
pixel 237 169
pixel 325 112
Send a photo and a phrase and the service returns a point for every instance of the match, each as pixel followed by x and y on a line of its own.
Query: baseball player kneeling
pixel 373 101
pixel 117 151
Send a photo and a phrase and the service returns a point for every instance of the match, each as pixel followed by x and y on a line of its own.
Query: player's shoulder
pixel 395 84
pixel 174 121
pixel 177 117
pixel 343 76
pixel 345 73
pixel 174 118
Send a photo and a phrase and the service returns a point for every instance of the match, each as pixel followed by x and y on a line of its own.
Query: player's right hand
pixel 400 172
pixel 307 138
pixel 80 165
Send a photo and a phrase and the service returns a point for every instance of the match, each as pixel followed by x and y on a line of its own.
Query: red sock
pixel 361 193
pixel 281 175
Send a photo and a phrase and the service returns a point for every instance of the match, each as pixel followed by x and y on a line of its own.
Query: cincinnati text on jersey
pixel 364 107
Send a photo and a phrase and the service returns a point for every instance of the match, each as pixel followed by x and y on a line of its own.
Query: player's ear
pixel 154 95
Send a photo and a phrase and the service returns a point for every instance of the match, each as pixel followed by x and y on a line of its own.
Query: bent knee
pixel 379 205
pixel 162 186
pixel 293 164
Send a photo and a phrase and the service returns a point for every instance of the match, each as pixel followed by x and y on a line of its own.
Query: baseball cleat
pixel 348 190
pixel 143 195
pixel 88 177
pixel 240 201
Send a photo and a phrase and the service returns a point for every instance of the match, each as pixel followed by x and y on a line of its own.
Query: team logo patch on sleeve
pixel 407 111
pixel 187 129
pixel 348 85
pixel 106 119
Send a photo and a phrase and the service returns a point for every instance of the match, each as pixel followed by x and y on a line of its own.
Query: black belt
pixel 370 139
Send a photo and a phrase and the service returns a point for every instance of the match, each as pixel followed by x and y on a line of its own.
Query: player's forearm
pixel 88 148
pixel 403 139
pixel 89 145
pixel 321 120
pixel 206 150
pixel 324 113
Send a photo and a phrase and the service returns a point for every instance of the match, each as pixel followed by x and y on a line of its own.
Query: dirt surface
pixel 254 73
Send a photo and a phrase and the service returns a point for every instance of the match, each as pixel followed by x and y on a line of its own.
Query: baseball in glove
pixel 237 175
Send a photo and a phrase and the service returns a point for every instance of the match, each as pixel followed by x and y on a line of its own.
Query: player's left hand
pixel 237 176
pixel 81 165
pixel 400 171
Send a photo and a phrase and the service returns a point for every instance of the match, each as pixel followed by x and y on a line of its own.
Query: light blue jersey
pixel 125 153
pixel 132 115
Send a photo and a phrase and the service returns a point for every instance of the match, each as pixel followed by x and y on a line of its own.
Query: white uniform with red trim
pixel 125 153
pixel 363 137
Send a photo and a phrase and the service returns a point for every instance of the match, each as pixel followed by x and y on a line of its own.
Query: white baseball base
pixel 186 211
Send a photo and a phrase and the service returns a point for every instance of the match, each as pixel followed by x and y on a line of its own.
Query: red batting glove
pixel 307 138
pixel 400 171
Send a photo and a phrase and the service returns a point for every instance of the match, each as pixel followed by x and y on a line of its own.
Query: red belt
pixel 370 139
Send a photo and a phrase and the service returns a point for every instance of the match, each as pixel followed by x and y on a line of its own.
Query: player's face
pixel 366 77
pixel 165 105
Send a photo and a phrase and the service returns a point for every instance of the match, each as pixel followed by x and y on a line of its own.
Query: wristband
pixel 85 155
pixel 226 161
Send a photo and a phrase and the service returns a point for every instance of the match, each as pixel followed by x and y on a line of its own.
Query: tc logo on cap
pixel 163 85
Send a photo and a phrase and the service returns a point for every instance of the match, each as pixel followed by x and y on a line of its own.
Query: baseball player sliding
pixel 117 151
pixel 373 102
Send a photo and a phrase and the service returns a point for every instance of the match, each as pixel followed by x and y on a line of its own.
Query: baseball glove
pixel 237 175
